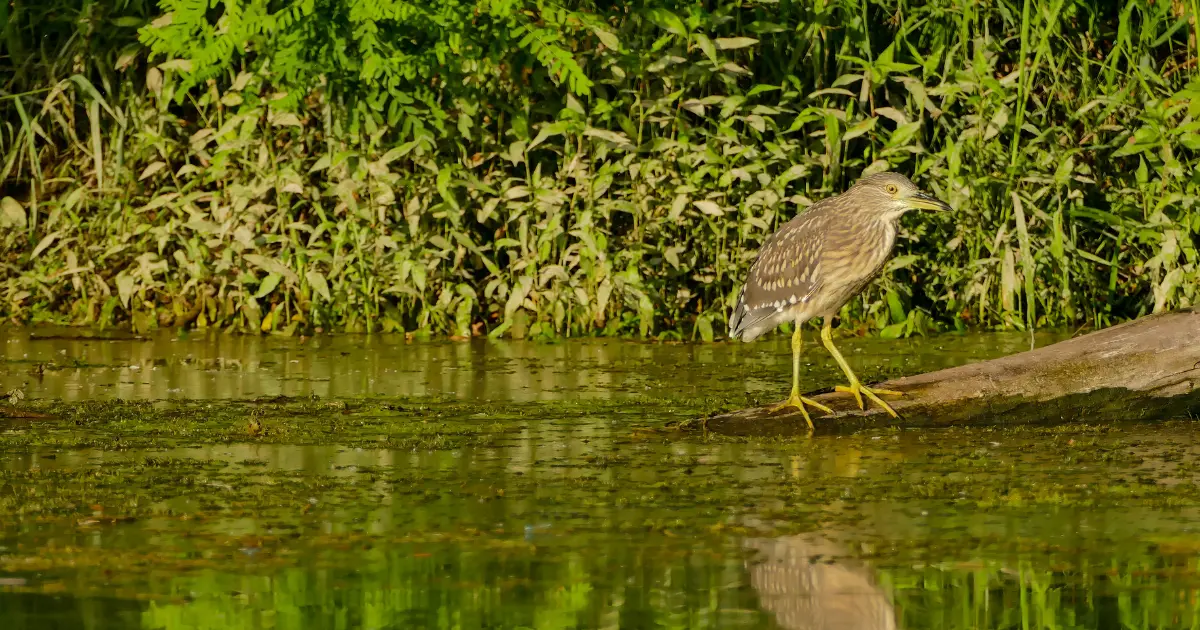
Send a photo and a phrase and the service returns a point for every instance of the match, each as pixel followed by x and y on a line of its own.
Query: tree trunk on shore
pixel 1146 369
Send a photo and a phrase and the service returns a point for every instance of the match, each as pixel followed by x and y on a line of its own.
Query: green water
pixel 354 482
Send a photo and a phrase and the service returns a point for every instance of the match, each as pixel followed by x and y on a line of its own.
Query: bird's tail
pixel 738 314
pixel 748 324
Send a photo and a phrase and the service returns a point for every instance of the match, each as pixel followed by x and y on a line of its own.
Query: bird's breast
pixel 856 253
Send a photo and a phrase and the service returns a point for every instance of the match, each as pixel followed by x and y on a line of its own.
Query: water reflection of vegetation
pixel 672 585
pixel 634 591
pixel 1108 590
pixel 529 587
pixel 215 366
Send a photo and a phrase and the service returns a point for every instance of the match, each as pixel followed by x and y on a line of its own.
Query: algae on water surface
pixel 519 505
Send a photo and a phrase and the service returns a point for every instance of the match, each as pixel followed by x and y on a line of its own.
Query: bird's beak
pixel 923 201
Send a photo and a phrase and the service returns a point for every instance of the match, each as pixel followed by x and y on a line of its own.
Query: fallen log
pixel 1145 369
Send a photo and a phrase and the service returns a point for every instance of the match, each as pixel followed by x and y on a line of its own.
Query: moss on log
pixel 1145 369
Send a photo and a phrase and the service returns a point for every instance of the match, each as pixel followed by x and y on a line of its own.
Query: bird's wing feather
pixel 787 272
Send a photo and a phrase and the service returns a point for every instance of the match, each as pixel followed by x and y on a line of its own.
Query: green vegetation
pixel 516 167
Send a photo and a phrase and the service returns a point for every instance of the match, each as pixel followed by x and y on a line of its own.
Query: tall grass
pixel 1064 133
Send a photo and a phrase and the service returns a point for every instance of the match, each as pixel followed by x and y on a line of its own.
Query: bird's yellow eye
pixel 892 189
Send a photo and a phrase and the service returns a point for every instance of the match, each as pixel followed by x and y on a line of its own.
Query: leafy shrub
pixel 525 168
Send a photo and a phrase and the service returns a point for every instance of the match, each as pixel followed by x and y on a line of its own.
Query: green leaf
pixel 1062 174
pixel 733 43
pixel 761 88
pixel 152 169
pixel 1190 140
pixel 418 277
pixel 860 128
pixel 496 332
pixel 903 134
pixel 12 215
pixel 706 45
pixel 91 91
pixel 554 129
pixel 46 242
pixel 604 134
pixel 517 296
pixel 672 256
pixel 668 21
pixel 268 285
pixel 895 308
pixel 462 317
pixel 317 281
pixel 125 287
pixel 272 265
pixel 608 38
pixel 765 27
pixel 325 162
pixel 1142 140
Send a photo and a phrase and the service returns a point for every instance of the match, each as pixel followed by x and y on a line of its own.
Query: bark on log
pixel 1145 369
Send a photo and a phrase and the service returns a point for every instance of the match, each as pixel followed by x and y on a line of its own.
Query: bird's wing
pixel 787 272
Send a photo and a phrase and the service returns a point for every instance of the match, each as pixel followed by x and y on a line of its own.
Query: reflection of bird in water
pixel 797 583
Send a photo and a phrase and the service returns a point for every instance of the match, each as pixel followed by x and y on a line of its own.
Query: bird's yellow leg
pixel 856 388
pixel 796 400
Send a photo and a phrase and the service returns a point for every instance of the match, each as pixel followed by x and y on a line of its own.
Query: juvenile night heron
pixel 820 259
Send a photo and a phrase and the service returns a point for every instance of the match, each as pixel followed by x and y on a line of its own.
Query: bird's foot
pixel 858 390
pixel 798 401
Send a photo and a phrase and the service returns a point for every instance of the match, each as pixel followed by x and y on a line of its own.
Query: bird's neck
pixel 888 227
pixel 889 224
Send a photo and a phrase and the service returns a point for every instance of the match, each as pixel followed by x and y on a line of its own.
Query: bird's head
pixel 891 195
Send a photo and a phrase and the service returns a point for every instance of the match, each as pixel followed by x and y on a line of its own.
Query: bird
pixel 816 262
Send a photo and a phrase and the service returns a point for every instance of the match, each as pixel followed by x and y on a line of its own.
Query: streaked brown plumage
pixel 822 258
pixel 810 583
